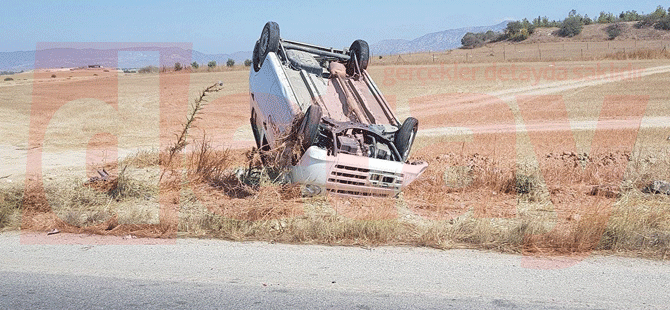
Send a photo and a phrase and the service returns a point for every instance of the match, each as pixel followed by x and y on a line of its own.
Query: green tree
pixel 614 30
pixel 247 63
pixel 570 27
pixel 211 64
pixel 545 22
pixel 471 40
pixel 518 31
pixel 513 28
pixel 195 65
pixel 605 18
pixel 177 66
pixel 587 20
pixel 528 26
pixel 663 23
pixel 659 13
pixel 230 62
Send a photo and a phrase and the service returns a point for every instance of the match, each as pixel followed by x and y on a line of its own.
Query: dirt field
pixel 515 151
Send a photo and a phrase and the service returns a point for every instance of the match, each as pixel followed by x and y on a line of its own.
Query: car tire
pixel 269 41
pixel 404 138
pixel 361 49
pixel 256 58
pixel 309 128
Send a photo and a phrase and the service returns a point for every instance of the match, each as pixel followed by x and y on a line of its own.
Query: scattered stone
pixel 658 187
pixel 608 191
pixel 129 237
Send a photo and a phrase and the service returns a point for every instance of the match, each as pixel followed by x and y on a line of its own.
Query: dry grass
pixel 219 201
pixel 470 198
pixel 533 52
pixel 11 198
pixel 639 54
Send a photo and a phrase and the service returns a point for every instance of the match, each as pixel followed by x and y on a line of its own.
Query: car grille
pixel 356 181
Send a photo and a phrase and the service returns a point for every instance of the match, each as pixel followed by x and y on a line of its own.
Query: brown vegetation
pixel 475 194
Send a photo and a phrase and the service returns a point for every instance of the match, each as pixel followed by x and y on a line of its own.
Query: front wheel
pixel 404 138
pixel 310 125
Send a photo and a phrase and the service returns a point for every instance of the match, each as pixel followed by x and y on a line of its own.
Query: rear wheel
pixel 404 138
pixel 361 51
pixel 310 125
pixel 269 41
pixel 256 57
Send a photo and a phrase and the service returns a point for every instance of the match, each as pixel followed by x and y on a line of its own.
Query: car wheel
pixel 310 125
pixel 256 57
pixel 404 138
pixel 269 41
pixel 362 52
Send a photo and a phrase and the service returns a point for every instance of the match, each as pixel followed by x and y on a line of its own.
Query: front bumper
pixel 351 175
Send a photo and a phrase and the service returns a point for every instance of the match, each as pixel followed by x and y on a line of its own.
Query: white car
pixel 351 142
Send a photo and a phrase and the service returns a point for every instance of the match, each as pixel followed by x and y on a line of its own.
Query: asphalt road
pixel 94 272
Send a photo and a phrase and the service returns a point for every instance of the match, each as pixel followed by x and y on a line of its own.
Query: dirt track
pixel 239 136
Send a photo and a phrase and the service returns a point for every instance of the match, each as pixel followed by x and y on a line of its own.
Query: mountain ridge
pixel 435 41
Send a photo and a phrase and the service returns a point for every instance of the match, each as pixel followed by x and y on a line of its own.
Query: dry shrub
pixel 166 161
pixel 141 159
pixel 11 198
pixel 75 208
pixel 287 149
pixel 371 209
pixel 441 191
pixel 639 54
pixel 580 232
pixel 639 225
pixel 258 204
pixel 332 229
pixel 207 164
pixel 77 204
pixel 242 195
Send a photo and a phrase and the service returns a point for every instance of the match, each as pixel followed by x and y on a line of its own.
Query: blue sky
pixel 230 26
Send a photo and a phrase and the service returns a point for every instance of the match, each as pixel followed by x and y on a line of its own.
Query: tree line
pixel 570 26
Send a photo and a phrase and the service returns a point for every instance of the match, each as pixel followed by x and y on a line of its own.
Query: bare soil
pixel 512 162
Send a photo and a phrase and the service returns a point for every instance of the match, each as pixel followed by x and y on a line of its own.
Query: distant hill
pixel 436 41
pixel 132 58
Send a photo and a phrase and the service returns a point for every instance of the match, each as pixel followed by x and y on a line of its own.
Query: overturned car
pixel 351 143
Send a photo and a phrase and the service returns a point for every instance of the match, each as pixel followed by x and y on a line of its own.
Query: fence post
pixel 582 51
